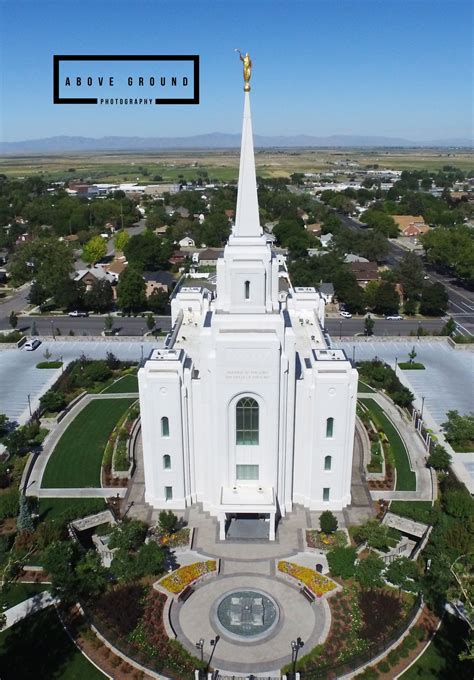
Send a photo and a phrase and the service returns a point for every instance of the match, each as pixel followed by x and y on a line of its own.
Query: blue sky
pixel 366 67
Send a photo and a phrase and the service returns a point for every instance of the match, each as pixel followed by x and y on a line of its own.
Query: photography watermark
pixel 110 80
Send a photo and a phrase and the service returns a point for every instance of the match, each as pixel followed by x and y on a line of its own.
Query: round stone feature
pixel 246 615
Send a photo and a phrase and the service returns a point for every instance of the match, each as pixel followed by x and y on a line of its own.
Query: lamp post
pixel 52 329
pixel 340 330
pixel 61 360
pixel 353 354
pixel 200 646
pixel 29 403
pixel 141 348
pixel 213 645
pixel 396 364
pixel 295 648
pixel 422 407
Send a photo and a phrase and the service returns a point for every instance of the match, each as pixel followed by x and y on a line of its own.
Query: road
pixel 461 301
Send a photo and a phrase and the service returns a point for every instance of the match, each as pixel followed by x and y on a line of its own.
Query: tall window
pixel 165 427
pixel 327 462
pixel 168 493
pixel 247 290
pixel 246 421
pixel 166 461
pixel 246 472
pixel 329 427
pixel 326 491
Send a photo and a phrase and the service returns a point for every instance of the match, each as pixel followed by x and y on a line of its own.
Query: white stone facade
pixel 247 411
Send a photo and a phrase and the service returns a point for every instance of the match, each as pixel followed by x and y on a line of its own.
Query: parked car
pixel 76 312
pixel 394 317
pixel 346 315
pixel 31 345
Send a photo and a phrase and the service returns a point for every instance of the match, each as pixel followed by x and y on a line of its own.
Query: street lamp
pixel 200 646
pixel 353 354
pixel 295 648
pixel 422 407
pixel 340 330
pixel 141 347
pixel 29 404
pixel 213 645
pixel 396 364
pixel 52 329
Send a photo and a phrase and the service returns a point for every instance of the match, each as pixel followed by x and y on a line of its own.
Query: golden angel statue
pixel 247 62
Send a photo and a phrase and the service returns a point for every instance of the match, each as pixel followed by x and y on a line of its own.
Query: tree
pixel 167 521
pixel 121 239
pixel 410 274
pixel 94 250
pixel 52 401
pixel 59 560
pixel 459 429
pixel 146 251
pixel 328 522
pixel 158 301
pixel 369 324
pixel 112 362
pixel 90 576
pixel 412 354
pixel 131 290
pixel 368 571
pixel 150 321
pixel 24 521
pixel 13 319
pixel 439 459
pixel 129 535
pixel 341 562
pixel 386 299
pixel 47 354
pixel 109 323
pixel 33 329
pixel 449 328
pixel 434 300
pixel 458 503
pixel 47 261
pixel 17 442
pixel 380 221
pixel 403 573
pixel 151 559
pixel 371 293
pixel 96 371
pixel 374 534
pixel 100 296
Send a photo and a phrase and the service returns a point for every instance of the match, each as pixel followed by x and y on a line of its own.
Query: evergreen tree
pixel 24 521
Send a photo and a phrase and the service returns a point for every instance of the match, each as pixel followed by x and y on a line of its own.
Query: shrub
pixel 9 503
pixel 97 371
pixel 167 521
pixel 53 401
pixel 369 674
pixel 393 657
pixel 383 667
pixel 328 522
pixel 439 458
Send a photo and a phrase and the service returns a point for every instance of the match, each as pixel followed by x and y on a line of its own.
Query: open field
pixel 77 457
pixel 222 165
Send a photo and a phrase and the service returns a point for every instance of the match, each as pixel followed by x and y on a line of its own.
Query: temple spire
pixel 247 221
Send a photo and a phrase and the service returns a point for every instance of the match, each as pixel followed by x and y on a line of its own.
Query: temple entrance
pixel 247 526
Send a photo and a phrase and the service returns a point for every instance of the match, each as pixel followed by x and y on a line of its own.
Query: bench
pixel 184 594
pixel 306 592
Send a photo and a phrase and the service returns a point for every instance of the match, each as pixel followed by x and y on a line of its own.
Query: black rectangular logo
pixel 169 81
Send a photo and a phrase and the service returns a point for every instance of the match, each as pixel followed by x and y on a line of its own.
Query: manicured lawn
pixel 420 511
pixel 362 387
pixel 14 593
pixel 440 660
pixel 129 383
pixel 38 648
pixel 77 458
pixel 406 479
pixel 74 508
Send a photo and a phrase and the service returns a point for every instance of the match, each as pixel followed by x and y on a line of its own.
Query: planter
pixel 173 584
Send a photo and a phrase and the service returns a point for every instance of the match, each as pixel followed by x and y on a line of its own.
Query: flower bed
pixel 317 583
pixel 180 539
pixel 321 541
pixel 181 578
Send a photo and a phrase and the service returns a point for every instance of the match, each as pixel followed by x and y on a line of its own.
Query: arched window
pixel 329 427
pixel 165 427
pixel 166 461
pixel 247 290
pixel 327 462
pixel 246 430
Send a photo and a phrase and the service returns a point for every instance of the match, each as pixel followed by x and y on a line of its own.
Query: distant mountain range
pixel 215 140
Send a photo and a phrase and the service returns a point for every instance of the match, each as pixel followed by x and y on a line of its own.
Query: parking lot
pixel 447 383
pixel 19 376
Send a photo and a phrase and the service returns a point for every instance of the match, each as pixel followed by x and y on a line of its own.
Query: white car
pixel 394 317
pixel 31 345
pixel 346 315
pixel 78 313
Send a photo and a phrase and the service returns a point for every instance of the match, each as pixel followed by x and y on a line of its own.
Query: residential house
pixel 314 228
pixel 351 257
pixel 326 291
pixel 411 225
pixel 177 257
pixel 326 240
pixel 364 272
pixel 187 242
pixel 158 281
pixel 209 256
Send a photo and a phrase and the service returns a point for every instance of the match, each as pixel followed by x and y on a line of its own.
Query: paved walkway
pixel 93 492
pixel 31 606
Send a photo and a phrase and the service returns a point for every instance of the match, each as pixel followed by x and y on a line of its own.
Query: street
pixel 461 301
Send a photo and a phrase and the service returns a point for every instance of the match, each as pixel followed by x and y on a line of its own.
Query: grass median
pixel 77 458
pixel 406 478
pixel 128 383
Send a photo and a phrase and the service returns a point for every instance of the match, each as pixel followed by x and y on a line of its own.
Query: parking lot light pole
pixel 396 364
pixel 340 330
pixel 422 407
pixel 29 403
pixel 295 648
pixel 52 329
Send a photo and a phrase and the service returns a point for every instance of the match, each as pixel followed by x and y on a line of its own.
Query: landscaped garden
pixel 77 458
pixel 325 541
pixel 406 478
pixel 318 584
pixel 419 511
pixel 128 383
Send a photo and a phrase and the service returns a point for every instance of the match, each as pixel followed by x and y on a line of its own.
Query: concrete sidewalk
pixel 31 606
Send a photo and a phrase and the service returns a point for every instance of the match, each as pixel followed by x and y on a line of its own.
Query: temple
pixel 247 410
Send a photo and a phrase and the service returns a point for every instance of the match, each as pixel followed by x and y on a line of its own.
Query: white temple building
pixel 247 410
